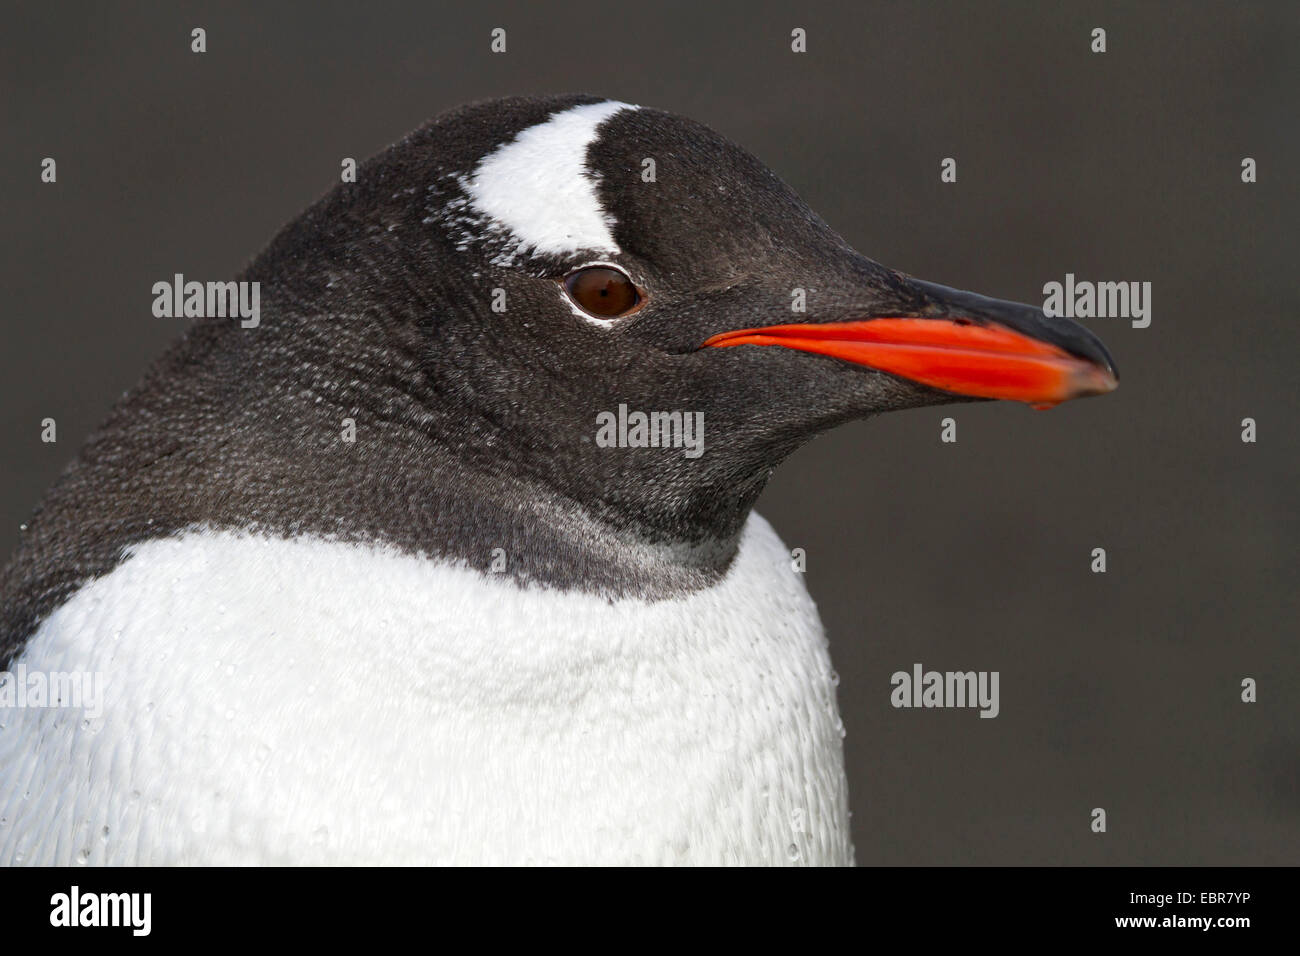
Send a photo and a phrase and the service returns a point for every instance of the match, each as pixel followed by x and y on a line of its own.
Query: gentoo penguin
pixel 398 576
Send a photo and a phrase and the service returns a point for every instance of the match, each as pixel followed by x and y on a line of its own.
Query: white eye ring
pixel 603 322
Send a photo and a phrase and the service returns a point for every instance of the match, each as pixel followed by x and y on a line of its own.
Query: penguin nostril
pixel 602 291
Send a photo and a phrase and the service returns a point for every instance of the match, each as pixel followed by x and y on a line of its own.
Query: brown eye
pixel 601 291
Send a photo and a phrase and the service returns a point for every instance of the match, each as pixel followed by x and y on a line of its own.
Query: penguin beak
pixel 962 343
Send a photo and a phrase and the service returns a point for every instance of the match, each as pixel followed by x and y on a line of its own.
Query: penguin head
pixel 560 264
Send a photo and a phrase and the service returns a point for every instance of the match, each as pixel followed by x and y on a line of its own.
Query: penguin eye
pixel 601 291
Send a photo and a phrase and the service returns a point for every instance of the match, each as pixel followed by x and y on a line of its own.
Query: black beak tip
pixel 1094 350
pixel 1027 319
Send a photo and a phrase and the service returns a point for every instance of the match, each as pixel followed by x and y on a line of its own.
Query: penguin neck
pixel 377 436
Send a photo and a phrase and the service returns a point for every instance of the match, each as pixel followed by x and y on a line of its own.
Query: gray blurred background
pixel 1119 690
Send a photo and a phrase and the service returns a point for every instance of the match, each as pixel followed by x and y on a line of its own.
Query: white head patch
pixel 535 193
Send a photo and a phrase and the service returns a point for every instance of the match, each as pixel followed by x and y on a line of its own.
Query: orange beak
pixel 982 361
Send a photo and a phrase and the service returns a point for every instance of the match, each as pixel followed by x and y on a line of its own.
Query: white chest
pixel 269 701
